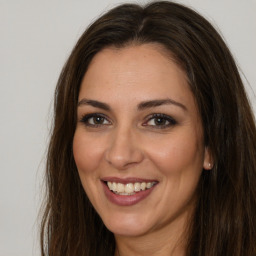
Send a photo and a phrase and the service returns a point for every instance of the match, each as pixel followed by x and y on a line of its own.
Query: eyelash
pixel 163 117
pixel 171 122
pixel 86 118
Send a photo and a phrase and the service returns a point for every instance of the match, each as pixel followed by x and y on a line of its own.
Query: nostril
pixel 124 158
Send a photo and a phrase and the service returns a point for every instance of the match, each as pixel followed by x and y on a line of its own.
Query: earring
pixel 210 165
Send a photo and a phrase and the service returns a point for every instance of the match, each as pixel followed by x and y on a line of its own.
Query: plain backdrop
pixel 36 39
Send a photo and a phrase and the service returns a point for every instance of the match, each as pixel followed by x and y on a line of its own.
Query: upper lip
pixel 127 180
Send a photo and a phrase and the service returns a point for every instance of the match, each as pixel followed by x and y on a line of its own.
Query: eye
pixel 160 121
pixel 95 120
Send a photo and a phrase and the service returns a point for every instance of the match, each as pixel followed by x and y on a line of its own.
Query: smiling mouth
pixel 129 188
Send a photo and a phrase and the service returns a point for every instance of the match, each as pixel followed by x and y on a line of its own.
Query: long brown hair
pixel 225 218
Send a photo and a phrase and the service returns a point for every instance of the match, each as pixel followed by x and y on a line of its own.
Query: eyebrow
pixel 94 103
pixel 155 103
pixel 142 106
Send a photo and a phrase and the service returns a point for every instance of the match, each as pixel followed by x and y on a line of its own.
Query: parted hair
pixel 224 221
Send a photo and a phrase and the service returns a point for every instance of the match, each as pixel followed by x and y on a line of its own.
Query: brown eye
pixel 95 120
pixel 160 121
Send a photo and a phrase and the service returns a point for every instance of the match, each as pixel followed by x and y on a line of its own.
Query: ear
pixel 208 159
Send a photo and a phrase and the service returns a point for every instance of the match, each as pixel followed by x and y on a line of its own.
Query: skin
pixel 128 142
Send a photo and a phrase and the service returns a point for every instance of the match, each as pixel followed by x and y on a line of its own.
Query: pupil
pixel 98 120
pixel 159 121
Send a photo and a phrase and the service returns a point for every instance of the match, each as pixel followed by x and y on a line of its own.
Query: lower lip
pixel 124 200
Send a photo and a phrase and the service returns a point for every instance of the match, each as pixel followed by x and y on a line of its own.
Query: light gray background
pixel 36 38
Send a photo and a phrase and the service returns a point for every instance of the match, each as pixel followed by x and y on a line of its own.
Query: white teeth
pixel 129 188
pixel 136 187
pixel 143 186
pixel 125 194
pixel 120 188
pixel 114 186
pixel 149 185
pixel 110 186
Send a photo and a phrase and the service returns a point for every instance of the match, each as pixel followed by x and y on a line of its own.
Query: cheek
pixel 87 152
pixel 176 155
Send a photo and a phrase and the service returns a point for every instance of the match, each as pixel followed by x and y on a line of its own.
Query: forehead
pixel 138 72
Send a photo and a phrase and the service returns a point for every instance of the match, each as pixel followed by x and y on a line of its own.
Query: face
pixel 138 144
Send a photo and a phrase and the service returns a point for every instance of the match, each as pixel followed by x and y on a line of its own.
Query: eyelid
pixel 168 118
pixel 84 119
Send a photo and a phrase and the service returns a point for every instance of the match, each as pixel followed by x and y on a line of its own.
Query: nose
pixel 124 150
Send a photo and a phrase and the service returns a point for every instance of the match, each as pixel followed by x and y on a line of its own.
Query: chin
pixel 127 226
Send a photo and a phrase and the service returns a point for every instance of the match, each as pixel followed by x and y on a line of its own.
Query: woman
pixel 154 142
